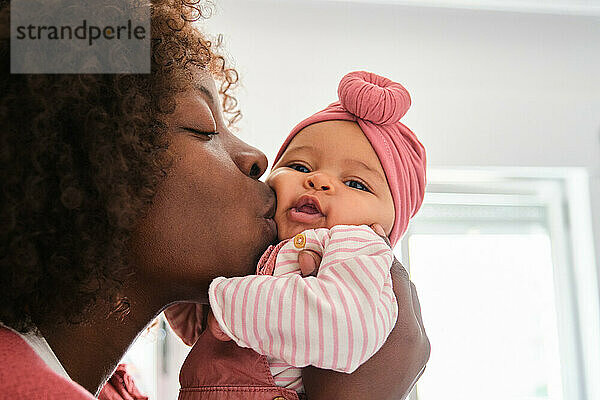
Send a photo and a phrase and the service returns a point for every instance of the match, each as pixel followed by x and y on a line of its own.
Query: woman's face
pixel 211 215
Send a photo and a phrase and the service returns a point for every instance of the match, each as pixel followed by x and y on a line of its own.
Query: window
pixel 491 254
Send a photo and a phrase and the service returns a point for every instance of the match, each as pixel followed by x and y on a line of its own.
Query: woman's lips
pixel 270 215
pixel 272 205
pixel 272 227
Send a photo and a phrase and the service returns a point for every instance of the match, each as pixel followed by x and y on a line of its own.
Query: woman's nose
pixel 251 161
pixel 318 181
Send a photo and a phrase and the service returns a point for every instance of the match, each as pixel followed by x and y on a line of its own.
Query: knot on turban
pixel 373 98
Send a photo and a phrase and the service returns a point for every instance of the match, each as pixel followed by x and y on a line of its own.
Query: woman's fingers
pixel 309 262
pixel 409 310
pixel 401 272
pixel 416 304
pixel 390 373
pixel 405 290
pixel 406 293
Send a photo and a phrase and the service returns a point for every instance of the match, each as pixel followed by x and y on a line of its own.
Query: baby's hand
pixel 309 260
pixel 378 229
pixel 215 329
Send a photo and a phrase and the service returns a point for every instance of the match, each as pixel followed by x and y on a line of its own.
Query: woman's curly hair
pixel 81 157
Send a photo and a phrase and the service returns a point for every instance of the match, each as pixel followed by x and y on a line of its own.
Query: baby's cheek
pixel 346 215
pixel 357 212
pixel 388 217
pixel 276 179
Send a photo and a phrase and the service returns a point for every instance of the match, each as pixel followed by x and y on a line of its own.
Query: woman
pixel 123 194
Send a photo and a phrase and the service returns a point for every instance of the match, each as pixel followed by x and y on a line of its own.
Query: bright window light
pixel 505 274
pixel 488 305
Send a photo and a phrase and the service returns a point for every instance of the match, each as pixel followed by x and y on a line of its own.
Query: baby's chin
pixel 289 232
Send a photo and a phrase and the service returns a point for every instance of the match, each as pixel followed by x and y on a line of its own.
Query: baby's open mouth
pixel 306 210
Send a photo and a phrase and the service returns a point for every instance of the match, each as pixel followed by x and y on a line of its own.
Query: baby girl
pixel 343 169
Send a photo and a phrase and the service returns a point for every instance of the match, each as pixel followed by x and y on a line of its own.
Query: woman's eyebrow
pixel 206 92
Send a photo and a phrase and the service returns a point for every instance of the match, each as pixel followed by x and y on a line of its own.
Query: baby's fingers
pixel 378 229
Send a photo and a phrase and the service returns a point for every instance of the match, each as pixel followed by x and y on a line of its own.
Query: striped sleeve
pixel 336 320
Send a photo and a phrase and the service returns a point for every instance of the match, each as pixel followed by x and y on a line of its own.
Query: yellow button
pixel 300 241
pixel 279 398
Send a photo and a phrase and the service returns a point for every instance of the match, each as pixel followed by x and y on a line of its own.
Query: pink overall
pixel 223 370
pixel 216 370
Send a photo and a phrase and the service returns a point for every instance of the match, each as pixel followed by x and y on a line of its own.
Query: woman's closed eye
pixel 357 185
pixel 201 134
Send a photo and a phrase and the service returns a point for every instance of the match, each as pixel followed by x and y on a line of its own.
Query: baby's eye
pixel 299 168
pixel 357 185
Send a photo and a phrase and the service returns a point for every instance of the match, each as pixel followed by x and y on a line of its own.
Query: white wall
pixel 489 88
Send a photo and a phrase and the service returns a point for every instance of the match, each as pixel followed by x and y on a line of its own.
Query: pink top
pixel 24 375
pixel 336 320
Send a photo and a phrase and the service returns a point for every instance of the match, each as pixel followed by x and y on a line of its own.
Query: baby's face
pixel 330 175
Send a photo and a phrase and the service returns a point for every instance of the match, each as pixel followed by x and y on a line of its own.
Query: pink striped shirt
pixel 336 320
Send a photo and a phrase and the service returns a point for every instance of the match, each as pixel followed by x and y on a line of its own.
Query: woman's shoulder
pixel 24 375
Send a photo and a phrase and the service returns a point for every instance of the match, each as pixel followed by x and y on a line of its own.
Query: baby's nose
pixel 319 181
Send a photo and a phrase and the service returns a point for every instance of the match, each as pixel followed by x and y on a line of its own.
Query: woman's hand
pixel 393 371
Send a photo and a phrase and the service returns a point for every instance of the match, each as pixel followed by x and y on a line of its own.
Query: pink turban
pixel 377 104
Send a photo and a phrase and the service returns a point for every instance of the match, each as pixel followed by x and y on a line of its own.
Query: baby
pixel 341 170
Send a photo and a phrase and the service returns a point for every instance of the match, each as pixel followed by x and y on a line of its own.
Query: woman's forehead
pixel 200 98
pixel 205 84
